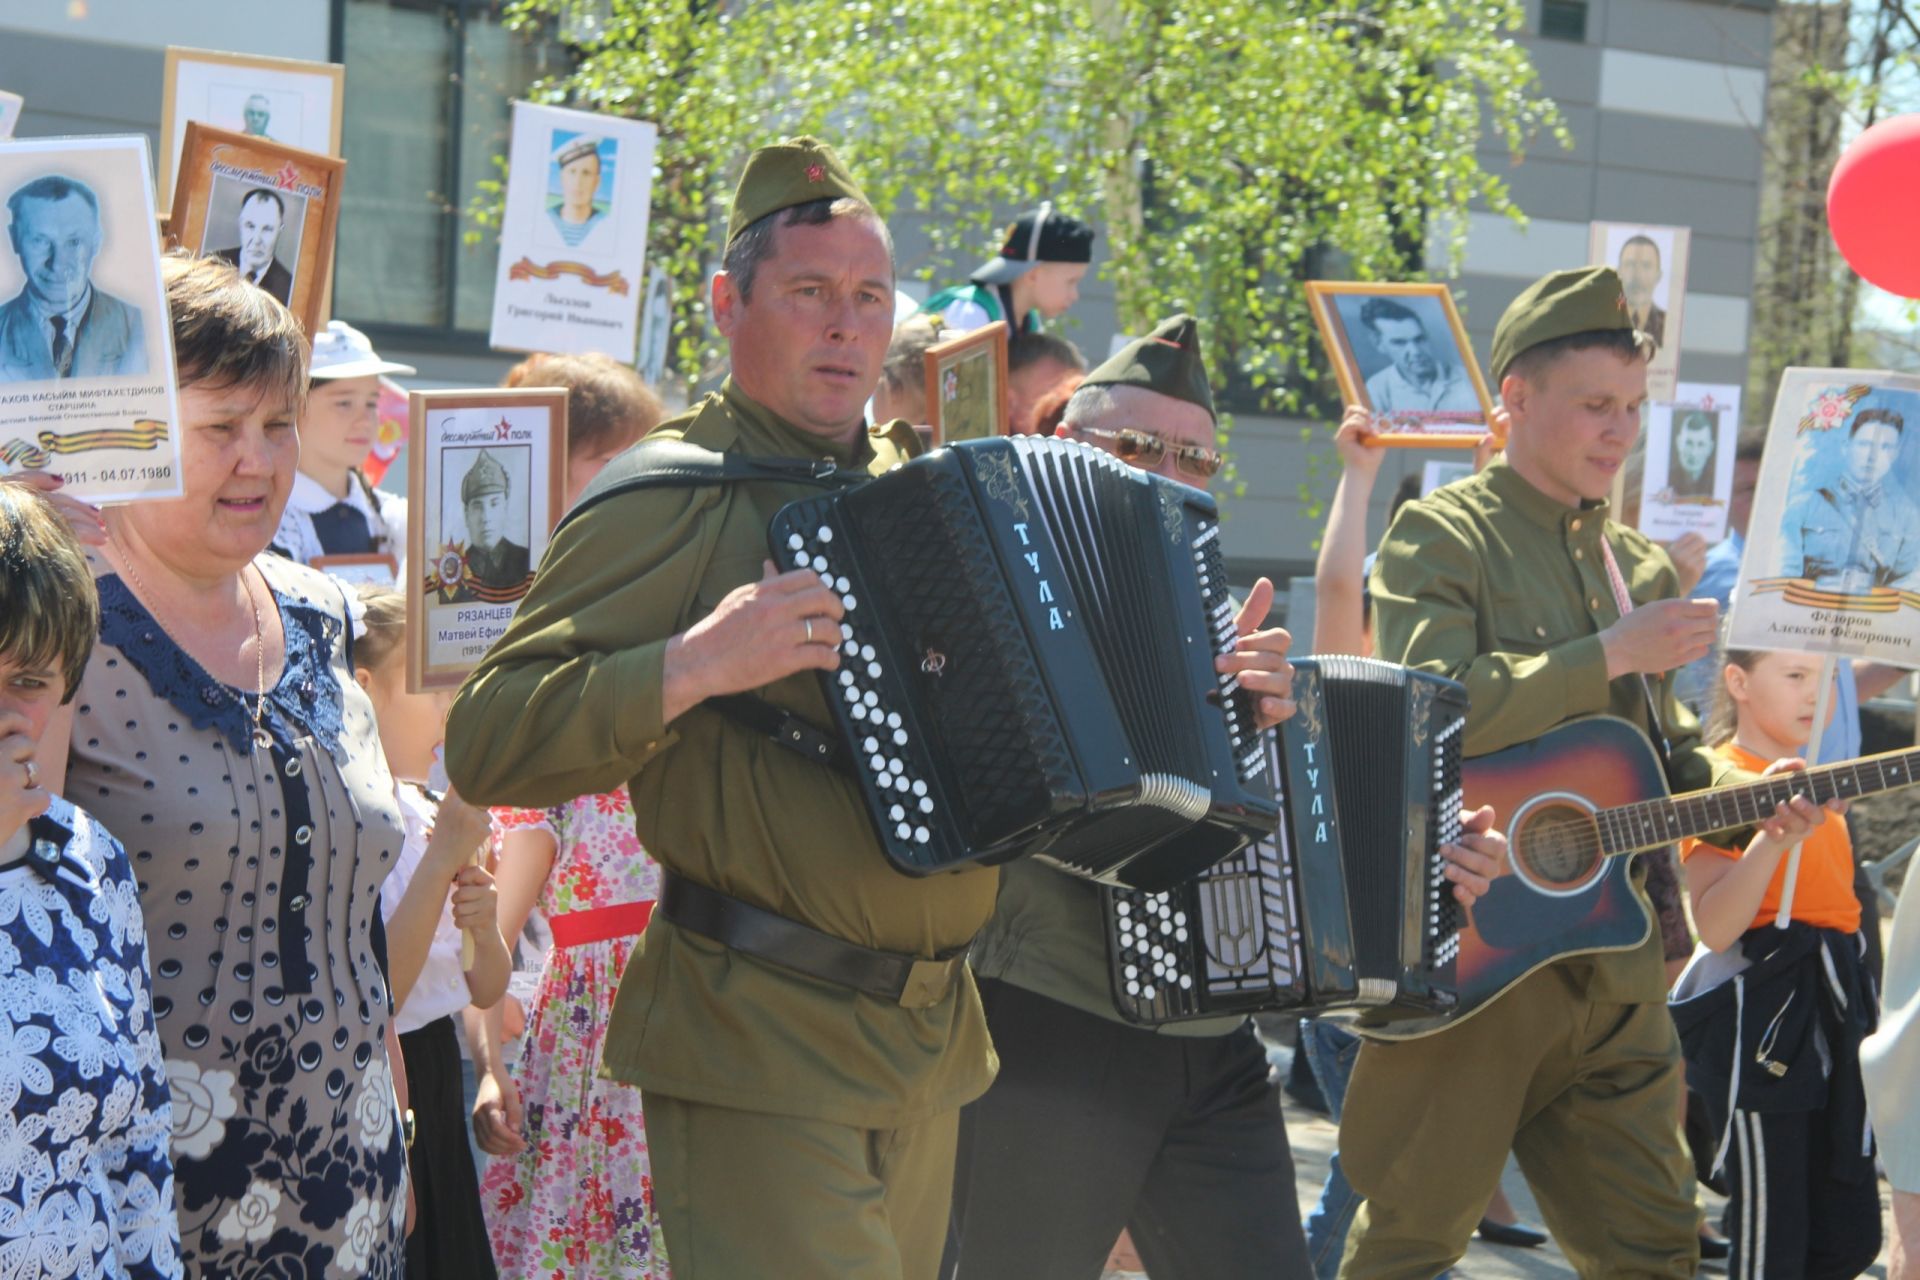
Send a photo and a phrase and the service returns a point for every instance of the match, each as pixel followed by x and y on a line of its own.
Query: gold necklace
pixel 259 639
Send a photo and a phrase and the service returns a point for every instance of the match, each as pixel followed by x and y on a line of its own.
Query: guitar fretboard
pixel 1649 824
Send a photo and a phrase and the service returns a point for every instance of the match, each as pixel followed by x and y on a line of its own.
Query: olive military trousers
pixel 1585 1094
pixel 744 1195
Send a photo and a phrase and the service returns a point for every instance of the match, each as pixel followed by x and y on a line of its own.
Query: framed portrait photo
pixel 87 388
pixel 377 568
pixel 967 386
pixel 1400 352
pixel 268 209
pixel 1652 262
pixel 284 100
pixel 573 235
pixel 486 475
pixel 1832 561
pixel 1687 468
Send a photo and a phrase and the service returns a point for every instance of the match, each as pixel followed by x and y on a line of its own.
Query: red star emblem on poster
pixel 502 430
pixel 287 176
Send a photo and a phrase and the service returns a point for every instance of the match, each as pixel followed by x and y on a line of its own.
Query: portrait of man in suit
pixel 262 212
pixel 257 113
pixel 60 325
pixel 493 559
pixel 1640 271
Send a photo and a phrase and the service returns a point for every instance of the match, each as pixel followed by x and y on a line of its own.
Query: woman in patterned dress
pixel 219 731
pixel 570 1192
pixel 86 1181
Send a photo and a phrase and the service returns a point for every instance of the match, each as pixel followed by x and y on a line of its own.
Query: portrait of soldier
pixel 575 210
pixel 1416 379
pixel 1693 454
pixel 262 213
pixel 493 560
pixel 1640 271
pixel 60 325
pixel 255 114
pixel 1859 530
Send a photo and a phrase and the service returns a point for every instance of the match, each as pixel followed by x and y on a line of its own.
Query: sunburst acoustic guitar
pixel 1574 802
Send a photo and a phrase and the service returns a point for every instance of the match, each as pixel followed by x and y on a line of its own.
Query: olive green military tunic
pixel 1576 1069
pixel 568 703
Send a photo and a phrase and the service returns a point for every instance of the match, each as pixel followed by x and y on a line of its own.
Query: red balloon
pixel 1871 203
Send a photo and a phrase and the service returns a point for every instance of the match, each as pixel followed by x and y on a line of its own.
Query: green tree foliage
pixel 1221 148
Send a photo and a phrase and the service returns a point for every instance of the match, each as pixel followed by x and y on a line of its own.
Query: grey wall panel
pixel 1569 73
pixel 1710 207
pixel 81 86
pixel 1721 264
pixel 1561 189
pixel 1581 124
pixel 1712 30
pixel 1629 141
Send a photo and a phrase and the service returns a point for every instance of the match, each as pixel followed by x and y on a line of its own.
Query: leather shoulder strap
pixel 667 463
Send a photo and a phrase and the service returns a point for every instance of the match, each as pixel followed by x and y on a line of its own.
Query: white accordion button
pixel 858 712
pixel 867 653
pixel 1180 919
pixel 825 534
pixel 1133 973
pixel 903 831
pixel 1179 935
pixel 846 679
pixel 852 650
pixel 921 835
pixel 871 698
pixel 795 542
pixel 846 633
pixel 1146 993
pixel 873 670
pixel 1124 908
pixel 919 787
pixel 926 804
pixel 897 813
pixel 870 744
pixel 1186 982
pixel 878 764
pixel 899 737
pixel 848 602
pixel 893 720
pixel 842 585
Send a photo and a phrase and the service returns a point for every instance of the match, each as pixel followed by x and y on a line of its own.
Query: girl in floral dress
pixel 570 1193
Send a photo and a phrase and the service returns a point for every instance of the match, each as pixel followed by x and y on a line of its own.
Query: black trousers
pixel 449 1234
pixel 1788 1214
pixel 1093 1126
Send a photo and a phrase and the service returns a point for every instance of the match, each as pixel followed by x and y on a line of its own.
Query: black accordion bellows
pixel 1027 662
pixel 1346 907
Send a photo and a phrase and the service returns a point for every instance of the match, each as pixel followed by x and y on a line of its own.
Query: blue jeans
pixel 1330 1052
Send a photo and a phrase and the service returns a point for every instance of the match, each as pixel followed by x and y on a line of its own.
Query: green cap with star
pixel 485 476
pixel 789 172
pixel 1583 300
pixel 1167 360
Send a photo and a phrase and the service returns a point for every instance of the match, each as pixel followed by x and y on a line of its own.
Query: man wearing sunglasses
pixel 1093 1124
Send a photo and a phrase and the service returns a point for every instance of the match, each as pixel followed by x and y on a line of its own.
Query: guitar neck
pixel 1650 824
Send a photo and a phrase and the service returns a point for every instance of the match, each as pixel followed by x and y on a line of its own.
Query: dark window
pixel 429 90
pixel 1564 19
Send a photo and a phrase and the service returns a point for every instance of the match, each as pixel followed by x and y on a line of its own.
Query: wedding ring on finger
pixel 809 626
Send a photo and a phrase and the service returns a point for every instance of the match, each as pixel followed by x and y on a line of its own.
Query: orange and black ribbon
pixel 528 269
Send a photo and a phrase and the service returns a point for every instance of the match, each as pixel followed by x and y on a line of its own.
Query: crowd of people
pixel 581 972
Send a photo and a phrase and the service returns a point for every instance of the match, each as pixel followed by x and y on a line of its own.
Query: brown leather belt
pixel 908 981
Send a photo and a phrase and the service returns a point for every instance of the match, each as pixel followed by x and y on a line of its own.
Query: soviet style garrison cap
pixel 1167 360
pixel 577 149
pixel 486 475
pixel 1583 300
pixel 1038 236
pixel 791 171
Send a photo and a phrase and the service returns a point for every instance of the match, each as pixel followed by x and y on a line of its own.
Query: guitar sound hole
pixel 1558 844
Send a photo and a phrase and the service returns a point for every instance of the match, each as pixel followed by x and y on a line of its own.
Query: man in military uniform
pixel 1502 581
pixel 798 1015
pixel 1859 531
pixel 493 560
pixel 1094 1124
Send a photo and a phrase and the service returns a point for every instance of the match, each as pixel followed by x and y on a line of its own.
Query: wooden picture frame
pixel 459 604
pixel 214 88
pixel 959 406
pixel 1462 415
pixel 223 173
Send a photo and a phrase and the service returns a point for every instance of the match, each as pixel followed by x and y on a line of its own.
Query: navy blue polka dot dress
pixel 259 856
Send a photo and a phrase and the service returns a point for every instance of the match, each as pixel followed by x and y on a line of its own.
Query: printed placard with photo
pixel 1832 563
pixel 284 100
pixel 1400 352
pixel 573 236
pixel 1687 476
pixel 967 386
pixel 1652 262
pixel 10 107
pixel 486 472
pixel 269 210
pixel 87 388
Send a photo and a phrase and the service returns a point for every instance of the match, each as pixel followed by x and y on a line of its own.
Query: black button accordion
pixel 1345 907
pixel 1027 662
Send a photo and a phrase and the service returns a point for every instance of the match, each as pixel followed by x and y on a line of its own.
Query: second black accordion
pixel 1027 662
pixel 1346 906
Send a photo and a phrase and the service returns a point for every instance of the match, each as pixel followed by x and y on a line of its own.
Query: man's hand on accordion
pixel 1480 856
pixel 760 632
pixel 1260 658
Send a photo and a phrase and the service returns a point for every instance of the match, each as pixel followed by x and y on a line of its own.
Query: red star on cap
pixel 1621 302
pixel 816 173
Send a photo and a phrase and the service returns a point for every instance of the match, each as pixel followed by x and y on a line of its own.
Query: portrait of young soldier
pixel 1640 272
pixel 60 325
pixel 1504 582
pixel 1860 529
pixel 486 504
pixel 1693 454
pixel 575 209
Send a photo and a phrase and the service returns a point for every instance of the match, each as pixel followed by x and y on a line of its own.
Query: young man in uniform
pixel 1095 1124
pixel 1035 276
pixel 1502 581
pixel 799 1016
